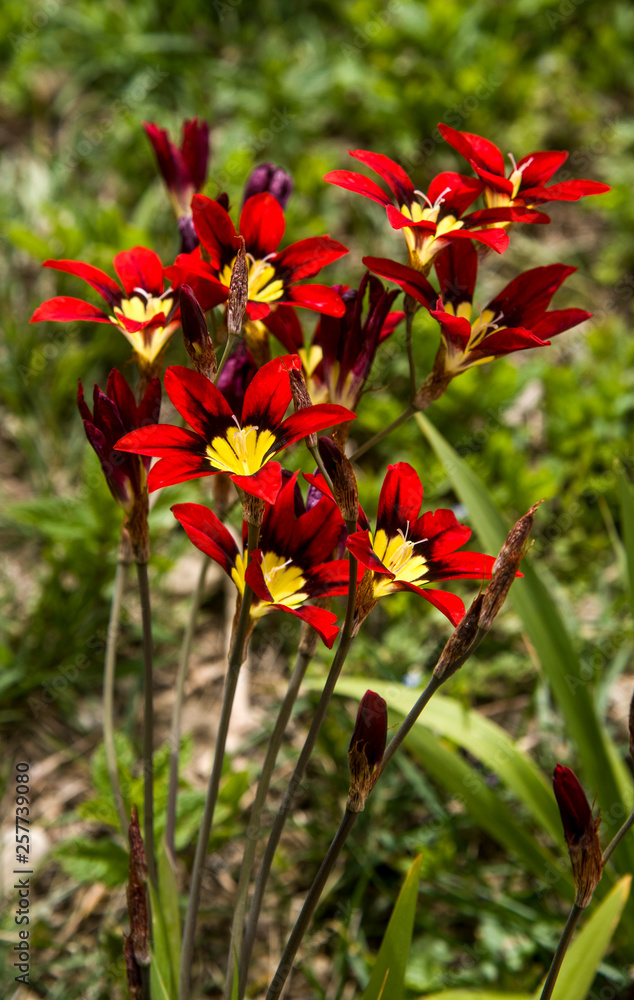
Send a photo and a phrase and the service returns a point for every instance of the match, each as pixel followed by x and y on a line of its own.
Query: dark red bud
pixel 581 833
pixel 198 343
pixel 367 747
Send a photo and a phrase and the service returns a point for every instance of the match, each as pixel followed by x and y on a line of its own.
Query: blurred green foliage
pixel 299 84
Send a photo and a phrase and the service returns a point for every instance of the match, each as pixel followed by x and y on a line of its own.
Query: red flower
pixel 431 221
pixel 146 314
pixel 515 320
pixel 273 276
pixel 581 831
pixel 525 185
pixel 292 564
pixel 218 442
pixel 184 169
pixel 407 551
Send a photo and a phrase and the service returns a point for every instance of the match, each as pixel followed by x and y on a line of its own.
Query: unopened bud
pixel 581 833
pixel 268 177
pixel 198 343
pixel 301 400
pixel 344 481
pixel 460 643
pixel 506 566
pixel 367 747
pixel 136 893
pixel 238 291
pixel 253 509
pixel 133 972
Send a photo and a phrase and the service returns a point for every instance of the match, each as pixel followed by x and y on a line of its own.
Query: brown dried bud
pixel 344 481
pixel 301 400
pixel 367 747
pixel 365 600
pixel 506 566
pixel 581 833
pixel 460 642
pixel 133 972
pixel 238 291
pixel 253 509
pixel 136 893
pixel 198 343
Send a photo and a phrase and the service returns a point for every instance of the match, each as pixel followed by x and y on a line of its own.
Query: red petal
pixel 284 324
pixel 207 533
pixel 310 420
pixel 198 401
pixel 496 239
pixel 410 281
pixel 474 147
pixel 140 268
pixel 262 224
pixel 457 270
pixel 98 279
pixel 177 469
pixel 360 546
pixel 399 221
pixel 324 622
pixel 566 191
pixel 306 258
pixel 161 439
pixel 215 230
pixel 122 396
pixel 498 182
pixel 538 168
pixel 462 192
pixel 558 320
pixel 66 309
pixel 269 393
pixel 400 500
pixel 526 298
pixel 359 183
pixel 258 310
pixel 456 330
pixel 319 298
pixel 393 174
pixel 266 483
pixel 462 566
pixel 450 604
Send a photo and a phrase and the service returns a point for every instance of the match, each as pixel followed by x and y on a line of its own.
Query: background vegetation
pixel 299 84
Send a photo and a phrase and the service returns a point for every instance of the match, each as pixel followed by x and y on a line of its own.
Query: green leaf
pixel 587 950
pixel 476 995
pixel 170 913
pixel 91 861
pixel 161 966
pixel 602 766
pixel 388 975
pixel 626 494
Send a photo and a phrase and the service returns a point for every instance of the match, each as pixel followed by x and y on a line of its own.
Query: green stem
pixel 108 694
pixel 409 323
pixel 322 468
pixel 618 837
pixel 405 415
pixel 345 641
pixel 148 722
pixel 255 819
pixel 225 355
pixel 410 719
pixel 562 947
pixel 236 658
pixel 310 904
pixel 177 710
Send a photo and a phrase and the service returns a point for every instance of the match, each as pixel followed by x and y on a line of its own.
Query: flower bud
pixel 301 399
pixel 237 373
pixel 506 566
pixel 238 291
pixel 133 972
pixel 459 645
pixel 344 481
pixel 198 343
pixel 268 177
pixel 136 893
pixel 367 747
pixel 581 833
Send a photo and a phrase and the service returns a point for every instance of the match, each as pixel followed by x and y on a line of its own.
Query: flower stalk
pixel 108 691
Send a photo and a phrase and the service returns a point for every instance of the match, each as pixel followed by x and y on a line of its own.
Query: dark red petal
pixel 576 814
pixel 496 239
pixel 65 309
pixel 411 281
pixel 121 394
pixel 268 395
pixel 140 268
pixel 510 213
pixel 558 320
pixel 178 469
pixel 170 162
pixel 306 258
pixel 360 546
pixel 265 483
pixel 525 299
pixel 506 341
pixel 493 180
pixel 450 604
pixel 462 192
pixel 399 221
pixel 462 566
pixel 566 191
pixel 443 531
pixel 310 420
pixel 207 533
pixel 100 281
pixel 324 622
pixel 359 183
pixel 538 168
pixel 284 324
pixel 195 150
pixel 319 298
pixel 474 147
pixel 161 440
pixel 254 577
pixel 262 224
pixel 215 230
pixel 391 172
pixel 400 500
pixel 457 270
pixel 149 409
pixel 454 329
pixel 198 401
pixel 370 729
pixel 332 578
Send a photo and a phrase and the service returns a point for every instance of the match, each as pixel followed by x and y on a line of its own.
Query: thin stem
pixel 108 694
pixel 177 710
pixel 225 355
pixel 255 819
pixel 345 641
pixel 310 904
pixel 618 837
pixel 322 468
pixel 562 947
pixel 236 658
pixel 148 722
pixel 409 323
pixel 405 415
pixel 409 720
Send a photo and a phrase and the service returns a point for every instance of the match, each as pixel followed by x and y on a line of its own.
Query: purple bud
pixel 268 177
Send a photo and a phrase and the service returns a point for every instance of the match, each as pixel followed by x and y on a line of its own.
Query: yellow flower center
pixel 141 308
pixel 263 286
pixel 419 243
pixel 397 554
pixel 486 324
pixel 284 580
pixel 242 452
